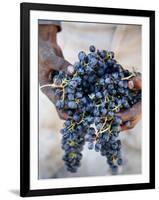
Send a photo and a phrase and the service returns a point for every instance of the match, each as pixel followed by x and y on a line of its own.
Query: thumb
pixel 48 58
pixel 59 64
pixel 135 83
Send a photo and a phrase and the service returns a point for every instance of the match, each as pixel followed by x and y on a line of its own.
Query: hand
pixel 51 59
pixel 131 116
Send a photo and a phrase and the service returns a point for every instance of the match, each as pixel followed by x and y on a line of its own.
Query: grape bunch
pixel 91 97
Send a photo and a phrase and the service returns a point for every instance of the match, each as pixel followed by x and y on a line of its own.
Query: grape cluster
pixel 91 96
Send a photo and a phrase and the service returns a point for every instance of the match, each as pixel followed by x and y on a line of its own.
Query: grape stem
pixel 116 107
pixel 113 160
pixel 63 94
pixel 51 85
pixel 72 126
pixel 101 131
pixel 81 119
pixel 128 77
pixel 106 99
pixel 75 74
pixel 104 123
pixel 98 103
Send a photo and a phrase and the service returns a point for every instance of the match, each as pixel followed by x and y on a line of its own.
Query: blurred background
pixel 125 41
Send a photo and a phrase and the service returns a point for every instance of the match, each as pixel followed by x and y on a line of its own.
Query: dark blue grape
pixel 71 97
pixel 99 95
pixel 114 169
pixel 76 117
pixel 103 54
pixel 120 161
pixel 60 104
pixel 73 84
pixel 78 95
pixel 72 105
pixel 92 48
pixel 90 146
pixel 93 61
pixel 97 147
pixel 82 56
pixel 107 80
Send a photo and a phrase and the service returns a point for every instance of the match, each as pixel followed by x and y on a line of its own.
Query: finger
pixel 129 125
pixel 126 115
pixel 131 113
pixel 62 115
pixel 49 93
pixel 135 83
pixel 58 51
pixel 60 64
pixel 53 98
pixel 48 58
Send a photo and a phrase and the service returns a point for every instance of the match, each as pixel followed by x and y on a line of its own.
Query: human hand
pixel 50 60
pixel 131 116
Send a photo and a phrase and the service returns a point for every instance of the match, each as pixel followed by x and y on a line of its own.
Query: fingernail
pixel 131 84
pixel 70 69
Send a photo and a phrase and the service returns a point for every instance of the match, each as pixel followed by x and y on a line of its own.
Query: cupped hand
pixel 50 60
pixel 131 116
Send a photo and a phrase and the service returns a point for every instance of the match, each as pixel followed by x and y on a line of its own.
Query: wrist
pixel 48 33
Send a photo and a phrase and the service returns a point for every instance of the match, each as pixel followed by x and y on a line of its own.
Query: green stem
pixel 83 117
pixel 128 77
pixel 51 85
pixel 116 107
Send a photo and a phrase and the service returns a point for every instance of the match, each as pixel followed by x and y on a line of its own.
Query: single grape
pixel 92 48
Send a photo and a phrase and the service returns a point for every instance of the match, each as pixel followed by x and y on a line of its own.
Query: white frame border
pixel 86 181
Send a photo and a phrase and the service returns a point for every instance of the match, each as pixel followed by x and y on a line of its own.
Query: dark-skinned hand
pixel 50 60
pixel 132 116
